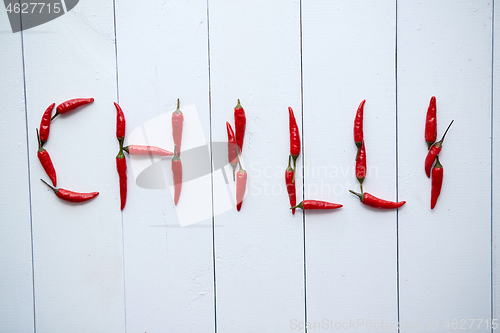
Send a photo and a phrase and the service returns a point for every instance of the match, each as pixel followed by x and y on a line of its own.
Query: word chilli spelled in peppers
pixel 45 124
pixel 366 198
pixel 437 182
pixel 46 161
pixel 241 185
pixel 372 201
pixel 232 153
pixel 177 124
pixel 315 204
pixel 146 150
pixel 294 140
pixel 431 123
pixel 240 123
pixel 70 105
pixel 70 195
pixel 177 175
pixel 290 184
pixel 121 163
pixel 434 152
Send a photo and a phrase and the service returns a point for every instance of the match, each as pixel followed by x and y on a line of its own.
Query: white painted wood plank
pixel 16 279
pixel 255 56
pixel 351 258
pixel 169 274
pixel 444 50
pixel 496 167
pixel 77 247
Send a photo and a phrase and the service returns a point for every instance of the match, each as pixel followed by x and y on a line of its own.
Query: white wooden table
pixel 93 268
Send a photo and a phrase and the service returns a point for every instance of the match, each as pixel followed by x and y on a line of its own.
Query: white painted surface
pixel 445 267
pixel 77 248
pixel 255 56
pixel 351 254
pixel 162 56
pixel 16 279
pixel 96 269
pixel 495 214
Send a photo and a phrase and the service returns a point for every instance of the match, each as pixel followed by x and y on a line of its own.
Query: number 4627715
pixel 33 8
pixel 469 324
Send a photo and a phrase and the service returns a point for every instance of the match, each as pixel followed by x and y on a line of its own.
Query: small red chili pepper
pixel 358 125
pixel 437 182
pixel 70 105
pixel 433 153
pixel 147 150
pixel 361 166
pixel 294 140
pixel 177 122
pixel 241 185
pixel 177 174
pixel 290 185
pixel 45 124
pixel 431 123
pixel 70 195
pixel 315 204
pixel 240 123
pixel 45 161
pixel 120 123
pixel 121 167
pixel 232 153
pixel 372 201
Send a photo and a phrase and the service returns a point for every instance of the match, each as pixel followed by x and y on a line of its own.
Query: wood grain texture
pixel 169 274
pixel 255 56
pixel 348 56
pixel 495 167
pixel 77 247
pixel 445 49
pixel 16 277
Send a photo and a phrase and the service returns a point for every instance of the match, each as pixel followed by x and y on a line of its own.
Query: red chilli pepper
pixel 240 123
pixel 177 122
pixel 361 165
pixel 70 105
pixel 45 124
pixel 241 185
pixel 315 204
pixel 373 201
pixel 431 123
pixel 232 153
pixel 177 174
pixel 46 162
pixel 121 167
pixel 434 152
pixel 290 185
pixel 120 124
pixel 147 150
pixel 358 125
pixel 437 182
pixel 294 140
pixel 72 196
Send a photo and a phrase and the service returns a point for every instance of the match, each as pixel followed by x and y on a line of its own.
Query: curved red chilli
pixel 45 123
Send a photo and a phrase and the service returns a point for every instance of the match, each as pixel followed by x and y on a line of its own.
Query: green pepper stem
pixel 55 115
pixel 289 163
pixel 238 106
pixel 438 165
pixel 442 139
pixel 361 196
pixel 238 157
pixel 176 157
pixel 40 149
pixel 300 205
pixel 294 166
pixel 52 188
